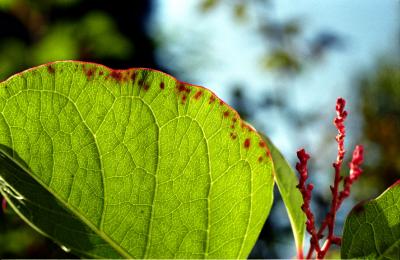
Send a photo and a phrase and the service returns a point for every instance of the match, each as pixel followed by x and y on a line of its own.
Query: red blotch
pixel 101 73
pixel 133 76
pixel 50 69
pixel 262 144
pixel 184 97
pixel 198 94
pixel 246 143
pixel 146 87
pixel 141 82
pixel 212 99
pixel 162 86
pixel 221 102
pixel 89 72
pixel 233 136
pixel 234 119
pixel 226 113
pixel 183 89
pixel 117 75
pixel 260 159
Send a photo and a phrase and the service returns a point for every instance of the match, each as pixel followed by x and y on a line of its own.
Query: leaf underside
pixel 131 163
pixel 372 229
pixel 286 181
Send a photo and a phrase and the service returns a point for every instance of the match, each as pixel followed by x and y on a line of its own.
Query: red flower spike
pixel 355 172
pixel 337 197
pixel 358 157
pixel 301 167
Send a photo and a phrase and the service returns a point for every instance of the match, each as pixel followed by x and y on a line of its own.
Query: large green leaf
pixel 131 163
pixel 372 229
pixel 287 180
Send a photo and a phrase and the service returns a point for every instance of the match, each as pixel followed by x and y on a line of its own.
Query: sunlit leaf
pixel 131 163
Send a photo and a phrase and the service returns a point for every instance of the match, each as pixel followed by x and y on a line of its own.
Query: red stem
pixel 331 216
pixel 301 167
pixel 300 253
pixel 337 198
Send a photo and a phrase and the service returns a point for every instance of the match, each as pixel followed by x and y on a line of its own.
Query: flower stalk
pixel 337 197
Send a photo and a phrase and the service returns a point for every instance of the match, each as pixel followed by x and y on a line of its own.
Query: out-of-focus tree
pixel 36 32
pixel 287 51
pixel 379 91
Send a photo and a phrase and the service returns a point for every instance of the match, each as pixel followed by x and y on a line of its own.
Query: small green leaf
pixel 286 180
pixel 372 229
pixel 131 163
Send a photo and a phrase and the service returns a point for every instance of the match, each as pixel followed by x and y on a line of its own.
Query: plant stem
pixel 337 197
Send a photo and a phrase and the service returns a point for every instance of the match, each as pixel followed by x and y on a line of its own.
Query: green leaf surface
pixel 287 180
pixel 131 163
pixel 372 229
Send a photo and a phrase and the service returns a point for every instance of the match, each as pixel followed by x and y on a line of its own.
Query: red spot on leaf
pixel 198 94
pixel 234 119
pixel 183 89
pixel 89 72
pixel 117 75
pixel 146 87
pixel 226 113
pixel 212 99
pixel 133 77
pixel 141 82
pixel 262 144
pixel 221 102
pixel 260 159
pixel 233 136
pixel 50 69
pixel 101 72
pixel 162 86
pixel 184 97
pixel 246 143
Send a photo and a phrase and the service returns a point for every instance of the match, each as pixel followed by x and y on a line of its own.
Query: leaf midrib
pixel 99 232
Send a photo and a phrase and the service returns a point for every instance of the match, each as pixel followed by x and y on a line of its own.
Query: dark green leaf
pixel 372 229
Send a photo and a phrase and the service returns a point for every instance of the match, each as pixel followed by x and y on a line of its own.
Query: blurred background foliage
pixel 123 34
